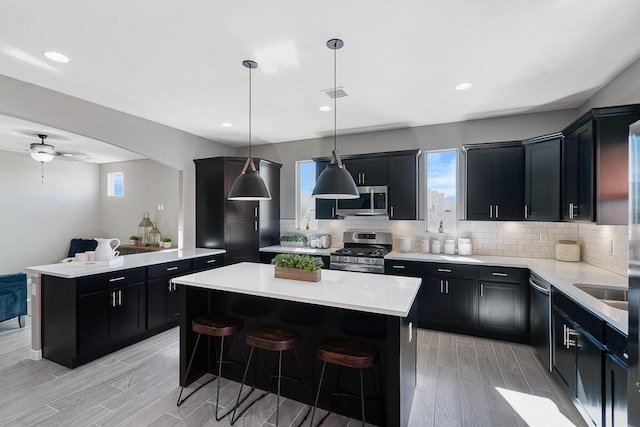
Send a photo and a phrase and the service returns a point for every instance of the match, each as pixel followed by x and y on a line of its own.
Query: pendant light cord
pixel 250 113
pixel 335 98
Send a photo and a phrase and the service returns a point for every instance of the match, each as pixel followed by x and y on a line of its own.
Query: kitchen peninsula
pixel 81 311
pixel 377 308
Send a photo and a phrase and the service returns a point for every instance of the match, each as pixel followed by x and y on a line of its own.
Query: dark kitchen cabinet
pixel 504 303
pixel 162 308
pixel 495 181
pixel 578 174
pixel 325 208
pixel 615 392
pixel 368 171
pixel 578 354
pixel 239 227
pixel 542 158
pixel 402 182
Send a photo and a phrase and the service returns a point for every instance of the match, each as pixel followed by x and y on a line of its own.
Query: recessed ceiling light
pixel 324 108
pixel 226 125
pixel 463 86
pixel 56 56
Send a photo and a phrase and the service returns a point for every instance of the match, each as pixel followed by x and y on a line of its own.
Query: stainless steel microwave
pixel 372 201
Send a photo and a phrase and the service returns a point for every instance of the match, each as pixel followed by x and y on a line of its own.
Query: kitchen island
pixel 376 308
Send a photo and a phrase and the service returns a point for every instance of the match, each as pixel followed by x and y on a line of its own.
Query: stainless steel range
pixel 363 251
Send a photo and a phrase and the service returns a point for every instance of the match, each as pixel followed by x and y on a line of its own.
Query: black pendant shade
pixel 249 185
pixel 335 182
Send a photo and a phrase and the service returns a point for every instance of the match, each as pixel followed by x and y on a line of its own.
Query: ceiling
pixel 179 62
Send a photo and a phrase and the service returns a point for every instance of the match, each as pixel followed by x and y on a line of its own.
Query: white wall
pixel 623 89
pixel 146 184
pixel 39 219
pixel 157 142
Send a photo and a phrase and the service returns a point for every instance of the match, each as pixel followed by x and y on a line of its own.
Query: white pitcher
pixel 104 251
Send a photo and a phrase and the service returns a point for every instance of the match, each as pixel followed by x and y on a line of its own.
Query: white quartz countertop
pixel 372 293
pixel 70 270
pixel 561 275
pixel 298 250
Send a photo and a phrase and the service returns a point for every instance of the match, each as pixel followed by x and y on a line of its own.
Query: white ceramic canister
pixel 405 245
pixel 424 246
pixel 464 246
pixel 435 246
pixel 450 247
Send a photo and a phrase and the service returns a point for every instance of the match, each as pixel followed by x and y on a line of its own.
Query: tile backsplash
pixel 604 246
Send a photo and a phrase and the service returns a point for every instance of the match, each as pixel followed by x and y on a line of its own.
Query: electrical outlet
pixel 611 247
pixel 160 207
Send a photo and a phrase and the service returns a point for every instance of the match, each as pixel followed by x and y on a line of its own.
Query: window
pixel 442 172
pixel 115 184
pixel 305 204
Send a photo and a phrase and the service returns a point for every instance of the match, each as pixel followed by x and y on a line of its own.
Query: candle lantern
pixel 154 236
pixel 144 228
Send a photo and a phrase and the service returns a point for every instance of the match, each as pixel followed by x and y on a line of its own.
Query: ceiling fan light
pixel 249 186
pixel 42 152
pixel 41 156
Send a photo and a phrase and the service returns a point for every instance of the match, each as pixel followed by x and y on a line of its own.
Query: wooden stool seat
pixel 273 337
pixel 216 325
pixel 347 352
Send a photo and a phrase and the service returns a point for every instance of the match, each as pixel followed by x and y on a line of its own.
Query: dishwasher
pixel 540 318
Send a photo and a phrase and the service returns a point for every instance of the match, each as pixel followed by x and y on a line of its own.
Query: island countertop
pixel 372 293
pixel 70 270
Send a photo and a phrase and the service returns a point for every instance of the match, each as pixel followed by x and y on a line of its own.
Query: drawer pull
pixel 398 266
pixel 625 355
pixel 444 270
pixel 117 279
pixel 211 261
pixel 172 268
pixel 500 274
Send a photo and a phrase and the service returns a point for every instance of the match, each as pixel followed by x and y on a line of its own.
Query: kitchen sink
pixel 613 297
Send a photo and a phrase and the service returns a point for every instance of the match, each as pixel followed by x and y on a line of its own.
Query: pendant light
pixel 249 185
pixel 335 182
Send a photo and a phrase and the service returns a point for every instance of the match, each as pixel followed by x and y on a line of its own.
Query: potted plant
pixel 166 242
pixel 298 267
pixel 133 240
pixel 298 241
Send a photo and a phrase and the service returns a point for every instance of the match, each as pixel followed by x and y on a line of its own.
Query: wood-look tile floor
pixel 462 381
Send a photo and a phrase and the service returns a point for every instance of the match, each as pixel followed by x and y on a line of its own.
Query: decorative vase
pixel 166 244
pixel 298 274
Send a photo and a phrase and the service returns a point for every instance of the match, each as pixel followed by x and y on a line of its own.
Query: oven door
pixel 372 201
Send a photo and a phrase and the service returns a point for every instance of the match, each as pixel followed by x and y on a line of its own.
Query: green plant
pixel 304 262
pixel 166 239
pixel 293 239
pixel 132 237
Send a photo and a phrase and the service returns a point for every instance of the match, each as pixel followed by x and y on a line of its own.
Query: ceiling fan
pixel 42 152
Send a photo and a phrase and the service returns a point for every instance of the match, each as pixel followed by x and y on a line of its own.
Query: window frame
pixel 111 184
pixel 458 189
pixel 298 220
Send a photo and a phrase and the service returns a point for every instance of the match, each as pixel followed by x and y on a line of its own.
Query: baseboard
pixel 35 354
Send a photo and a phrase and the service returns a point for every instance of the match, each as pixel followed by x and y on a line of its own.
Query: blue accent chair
pixel 13 296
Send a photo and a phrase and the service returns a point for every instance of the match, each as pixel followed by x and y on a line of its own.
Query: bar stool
pixel 271 338
pixel 349 353
pixel 214 326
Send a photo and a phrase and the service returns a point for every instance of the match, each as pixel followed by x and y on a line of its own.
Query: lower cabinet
pixel 615 396
pixel 486 301
pixel 163 296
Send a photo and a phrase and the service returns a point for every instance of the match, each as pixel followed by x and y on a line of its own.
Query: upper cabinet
pixel 398 170
pixel 495 181
pixel 595 165
pixel 542 178
pixel 239 227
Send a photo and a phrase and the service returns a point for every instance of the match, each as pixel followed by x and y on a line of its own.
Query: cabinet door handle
pixel 496 211
pixel 255 211
pixel 172 268
pixel 398 266
pixel 119 297
pixel 446 284
pixel 363 178
pixel 169 285
pixel 570 342
pixel 117 279
pixel 500 274
pixel 113 299
pixel 570 210
pixel 564 335
pixel 625 355
pixel 255 225
pixel 333 212
pixel 211 261
pixel 481 290
pixel 174 286
pixel 491 211
pixel 441 286
pixel 444 270
pixel 391 211
pixel 525 212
